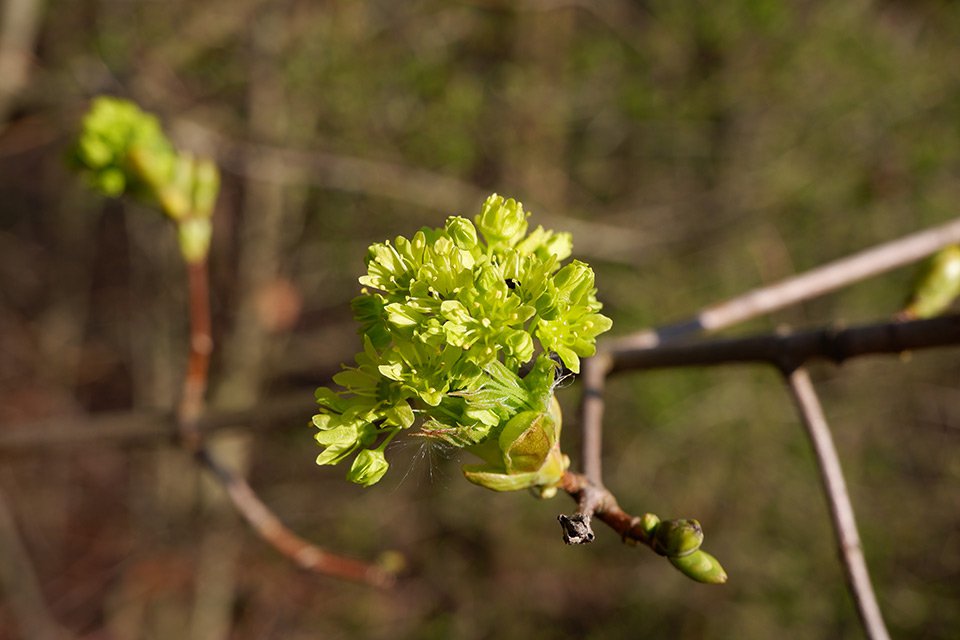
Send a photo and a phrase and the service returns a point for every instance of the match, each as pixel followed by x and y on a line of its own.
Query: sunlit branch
pixel 813 283
pixel 243 497
pixel 841 509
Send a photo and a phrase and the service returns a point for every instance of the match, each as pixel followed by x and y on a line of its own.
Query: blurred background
pixel 696 149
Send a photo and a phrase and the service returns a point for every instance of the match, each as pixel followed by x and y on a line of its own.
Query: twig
pixel 596 501
pixel 594 376
pixel 792 350
pixel 813 283
pixel 198 363
pixel 243 497
pixel 274 532
pixel 841 510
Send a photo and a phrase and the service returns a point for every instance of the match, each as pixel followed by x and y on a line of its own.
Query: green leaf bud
pixel 677 538
pixel 649 523
pixel 937 286
pixel 700 566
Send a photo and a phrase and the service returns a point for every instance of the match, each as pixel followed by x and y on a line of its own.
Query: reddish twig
pixel 243 497
pixel 841 509
pixel 198 362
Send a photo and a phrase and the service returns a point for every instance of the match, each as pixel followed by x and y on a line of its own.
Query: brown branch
pixel 792 350
pixel 594 500
pixel 813 283
pixel 243 497
pixel 198 363
pixel 841 509
pixel 305 554
pixel 594 376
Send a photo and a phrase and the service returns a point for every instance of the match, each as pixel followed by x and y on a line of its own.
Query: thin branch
pixel 273 531
pixel 198 364
pixel 789 350
pixel 594 376
pixel 594 500
pixel 243 497
pixel 841 510
pixel 813 283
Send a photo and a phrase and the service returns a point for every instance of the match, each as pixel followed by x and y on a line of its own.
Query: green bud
pixel 194 235
pixel 526 441
pixel 649 523
pixel 368 467
pixel 111 182
pixel 700 566
pixel 937 286
pixel 502 222
pixel 462 232
pixel 574 282
pixel 677 538
pixel 206 187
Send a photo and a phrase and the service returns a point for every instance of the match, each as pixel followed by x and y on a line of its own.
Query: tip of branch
pixel 576 528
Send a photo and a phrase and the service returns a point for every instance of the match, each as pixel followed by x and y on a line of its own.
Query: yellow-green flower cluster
pixel 449 317
pixel 123 149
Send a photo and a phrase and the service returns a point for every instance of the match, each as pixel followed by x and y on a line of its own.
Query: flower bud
pixel 502 221
pixel 938 285
pixel 368 467
pixel 700 566
pixel 677 538
pixel 462 232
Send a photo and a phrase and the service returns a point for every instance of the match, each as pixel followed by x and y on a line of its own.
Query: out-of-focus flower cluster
pixel 123 150
pixel 448 319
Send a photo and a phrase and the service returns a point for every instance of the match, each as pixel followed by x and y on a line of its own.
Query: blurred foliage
pixel 703 148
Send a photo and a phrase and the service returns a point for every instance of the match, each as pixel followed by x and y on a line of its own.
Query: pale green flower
pixel 448 319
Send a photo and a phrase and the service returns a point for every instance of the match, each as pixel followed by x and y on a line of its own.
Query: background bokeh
pixel 696 149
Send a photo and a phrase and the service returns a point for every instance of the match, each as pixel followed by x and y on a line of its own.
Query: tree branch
pixel 594 376
pixel 793 350
pixel 841 509
pixel 813 283
pixel 243 497
pixel 596 500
